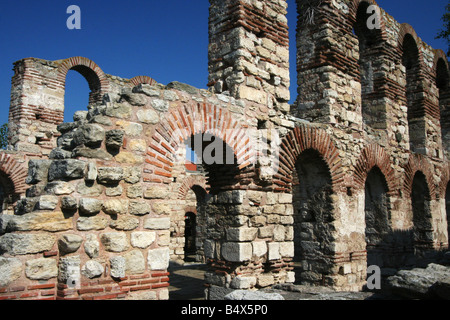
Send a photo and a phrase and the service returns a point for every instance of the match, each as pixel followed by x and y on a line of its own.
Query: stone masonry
pixel 355 173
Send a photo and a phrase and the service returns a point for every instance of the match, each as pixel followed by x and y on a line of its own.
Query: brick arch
pixel 445 179
pixel 180 123
pixel 439 54
pixel 142 80
pixel 294 143
pixel 96 78
pixel 190 182
pixel 407 29
pixel 354 5
pixel 374 156
pixel 418 162
pixel 15 171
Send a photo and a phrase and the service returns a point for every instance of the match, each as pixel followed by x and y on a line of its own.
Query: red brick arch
pixel 190 182
pixel 374 156
pixel 445 179
pixel 406 29
pixel 294 143
pixel 15 171
pixel 180 123
pixel 418 162
pixel 141 80
pixel 354 5
pixel 96 78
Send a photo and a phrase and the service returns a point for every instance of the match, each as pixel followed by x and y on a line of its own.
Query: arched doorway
pixel 190 232
pixel 420 201
pixel 313 214
pixel 377 218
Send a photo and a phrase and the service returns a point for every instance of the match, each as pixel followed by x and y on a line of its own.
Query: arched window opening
pixel 7 195
pixel 374 116
pixel 442 84
pixel 190 231
pixel 447 210
pixel 377 218
pixel 76 96
pixel 420 200
pixel 216 159
pixel 416 111
pixel 313 215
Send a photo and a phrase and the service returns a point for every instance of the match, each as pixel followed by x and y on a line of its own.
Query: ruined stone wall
pixel 354 172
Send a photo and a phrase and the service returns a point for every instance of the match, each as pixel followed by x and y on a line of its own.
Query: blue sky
pixel 166 40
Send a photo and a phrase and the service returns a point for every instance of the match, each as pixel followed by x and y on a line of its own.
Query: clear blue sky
pixel 166 40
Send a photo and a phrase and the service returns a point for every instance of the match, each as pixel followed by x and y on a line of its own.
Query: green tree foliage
pixel 445 32
pixel 4 136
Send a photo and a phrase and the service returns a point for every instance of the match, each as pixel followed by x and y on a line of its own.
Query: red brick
pixel 42 286
pixel 160 285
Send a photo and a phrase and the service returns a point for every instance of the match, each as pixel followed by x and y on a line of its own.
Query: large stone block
pixel 241 234
pixel 10 270
pixel 69 243
pixel 158 259
pixel 51 221
pixel 68 169
pixel 115 241
pixel 21 244
pixel 41 269
pixel 38 171
pixel 237 251
pixel 142 239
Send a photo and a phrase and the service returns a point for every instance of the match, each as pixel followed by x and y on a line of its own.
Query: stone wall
pixel 355 172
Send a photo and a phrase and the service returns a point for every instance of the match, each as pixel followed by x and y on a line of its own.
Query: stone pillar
pixel 249 51
pixel 37 107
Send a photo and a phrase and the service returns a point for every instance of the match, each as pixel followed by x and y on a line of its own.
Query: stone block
pixel 241 234
pixel 124 222
pixel 157 223
pixel 92 246
pixel 110 175
pixel 135 262
pixel 69 243
pixel 241 282
pixel 118 267
pixel 37 171
pixel 236 251
pixel 115 241
pixel 10 270
pixel 67 169
pixel 51 221
pixel 158 259
pixel 92 223
pixel 115 206
pixel 41 269
pixel 89 206
pixel 142 239
pixel 92 269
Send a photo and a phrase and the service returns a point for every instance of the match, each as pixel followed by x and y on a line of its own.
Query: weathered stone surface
pixel 160 105
pixel 108 175
pixel 237 252
pixel 182 87
pixel 135 262
pixel 68 169
pixel 139 208
pixel 21 244
pixel 89 189
pixel 38 171
pixel 115 241
pixel 69 203
pixel 142 239
pixel 85 152
pixel 132 174
pixel 92 269
pixel 241 234
pixel 51 221
pixel 118 267
pixel 115 206
pixel 157 223
pixel 124 222
pixel 92 246
pixel 114 138
pixel 60 188
pixel 69 243
pixel 241 282
pixel 148 116
pixel 92 223
pixel 253 295
pixel 156 192
pixel 41 269
pixel 47 202
pixel 416 283
pixel 59 153
pixel 158 259
pixel 10 270
pixel 89 206
pixel 89 135
pixel 69 271
pixel 91 172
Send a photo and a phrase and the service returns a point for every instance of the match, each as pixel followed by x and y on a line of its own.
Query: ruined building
pixel 355 173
